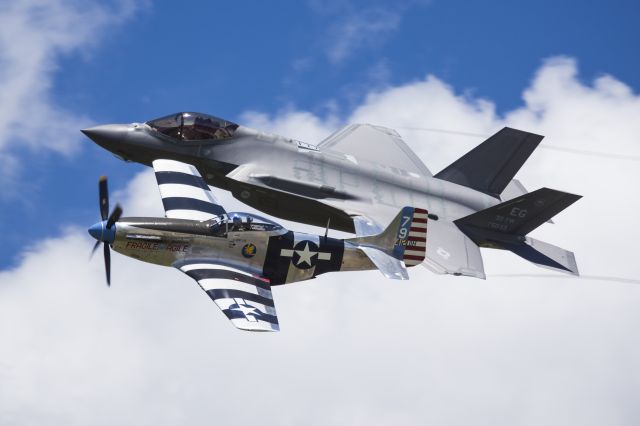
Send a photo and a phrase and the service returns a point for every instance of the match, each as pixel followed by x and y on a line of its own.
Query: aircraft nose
pixel 95 231
pixel 107 134
pixel 100 232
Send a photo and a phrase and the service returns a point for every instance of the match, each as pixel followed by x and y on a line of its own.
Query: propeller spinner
pixel 105 230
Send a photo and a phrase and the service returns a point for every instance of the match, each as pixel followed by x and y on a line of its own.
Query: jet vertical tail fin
pixel 505 226
pixel 490 166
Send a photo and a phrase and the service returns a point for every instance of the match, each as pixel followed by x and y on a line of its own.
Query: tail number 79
pixel 404 229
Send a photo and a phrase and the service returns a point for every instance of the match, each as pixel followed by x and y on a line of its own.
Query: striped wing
pixel 185 195
pixel 244 298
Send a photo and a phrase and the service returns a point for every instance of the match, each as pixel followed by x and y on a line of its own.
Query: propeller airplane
pixel 237 257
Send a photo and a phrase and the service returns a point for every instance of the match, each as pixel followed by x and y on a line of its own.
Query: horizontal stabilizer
pixel 490 166
pixel 450 251
pixel 390 267
pixel 544 255
pixel 518 216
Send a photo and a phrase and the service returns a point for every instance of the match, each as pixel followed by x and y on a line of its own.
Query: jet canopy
pixel 193 126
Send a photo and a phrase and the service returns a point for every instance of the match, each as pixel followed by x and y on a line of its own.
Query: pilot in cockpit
pixel 237 224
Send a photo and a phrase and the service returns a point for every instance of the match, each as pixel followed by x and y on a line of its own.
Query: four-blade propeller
pixel 105 231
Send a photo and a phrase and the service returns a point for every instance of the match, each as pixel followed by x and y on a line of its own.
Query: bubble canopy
pixel 240 222
pixel 193 126
pixel 253 222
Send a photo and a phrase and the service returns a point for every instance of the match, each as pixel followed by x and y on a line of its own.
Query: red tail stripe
pixel 422 239
pixel 423 230
pixel 420 210
pixel 419 220
pixel 411 257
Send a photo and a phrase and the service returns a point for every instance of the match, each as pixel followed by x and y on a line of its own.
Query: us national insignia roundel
pixel 305 255
pixel 249 250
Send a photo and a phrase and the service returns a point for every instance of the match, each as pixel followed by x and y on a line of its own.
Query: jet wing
pixel 314 185
pixel 185 195
pixel 244 298
pixel 359 141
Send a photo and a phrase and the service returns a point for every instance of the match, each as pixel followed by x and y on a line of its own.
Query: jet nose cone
pixel 107 134
pixel 96 230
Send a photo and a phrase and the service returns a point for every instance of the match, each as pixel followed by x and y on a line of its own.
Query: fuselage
pixel 277 255
pixel 294 180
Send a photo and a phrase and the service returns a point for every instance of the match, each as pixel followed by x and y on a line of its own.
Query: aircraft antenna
pixel 326 231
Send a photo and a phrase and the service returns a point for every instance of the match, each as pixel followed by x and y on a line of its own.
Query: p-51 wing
pixel 185 195
pixel 243 297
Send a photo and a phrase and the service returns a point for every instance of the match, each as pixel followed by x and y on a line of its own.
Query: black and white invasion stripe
pixel 185 195
pixel 244 298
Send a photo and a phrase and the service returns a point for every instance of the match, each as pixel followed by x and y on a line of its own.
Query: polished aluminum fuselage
pixel 276 255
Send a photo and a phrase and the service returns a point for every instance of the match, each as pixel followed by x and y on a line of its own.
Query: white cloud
pixel 354 26
pixel 361 28
pixel 34 35
pixel 355 348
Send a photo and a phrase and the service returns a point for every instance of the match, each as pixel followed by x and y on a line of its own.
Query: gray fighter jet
pixel 237 257
pixel 358 178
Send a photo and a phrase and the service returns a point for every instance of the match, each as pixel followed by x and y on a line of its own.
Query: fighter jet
pixel 237 257
pixel 358 178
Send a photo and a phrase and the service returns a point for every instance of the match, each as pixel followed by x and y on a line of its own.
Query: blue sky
pixel 523 347
pixel 322 57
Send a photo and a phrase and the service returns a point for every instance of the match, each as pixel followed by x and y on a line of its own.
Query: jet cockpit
pixel 193 126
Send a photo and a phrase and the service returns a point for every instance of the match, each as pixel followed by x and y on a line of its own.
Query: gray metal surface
pixel 357 179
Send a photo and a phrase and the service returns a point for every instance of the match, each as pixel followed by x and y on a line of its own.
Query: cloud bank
pixel 356 348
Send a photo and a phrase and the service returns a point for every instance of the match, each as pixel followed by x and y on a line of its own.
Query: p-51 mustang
pixel 237 257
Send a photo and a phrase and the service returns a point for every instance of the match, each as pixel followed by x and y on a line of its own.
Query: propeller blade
pixel 104 197
pixel 95 247
pixel 107 263
pixel 115 216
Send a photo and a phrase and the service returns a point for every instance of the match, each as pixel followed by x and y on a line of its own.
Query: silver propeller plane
pixel 358 178
pixel 237 257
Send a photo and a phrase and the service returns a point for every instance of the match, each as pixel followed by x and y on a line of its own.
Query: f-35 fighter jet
pixel 358 178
